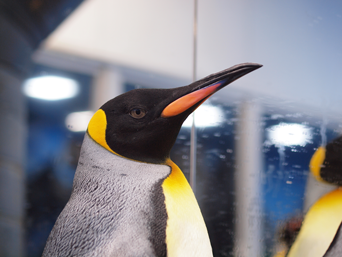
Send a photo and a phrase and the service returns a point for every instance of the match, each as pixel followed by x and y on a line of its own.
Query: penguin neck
pixel 176 181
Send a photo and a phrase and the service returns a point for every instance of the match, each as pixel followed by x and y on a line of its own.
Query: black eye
pixel 137 113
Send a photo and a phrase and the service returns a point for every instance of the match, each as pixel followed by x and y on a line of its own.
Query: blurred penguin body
pixel 319 227
pixel 320 234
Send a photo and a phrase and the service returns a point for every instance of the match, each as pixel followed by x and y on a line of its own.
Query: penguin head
pixel 326 163
pixel 143 124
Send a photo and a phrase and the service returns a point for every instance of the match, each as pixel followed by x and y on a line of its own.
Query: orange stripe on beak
pixel 187 101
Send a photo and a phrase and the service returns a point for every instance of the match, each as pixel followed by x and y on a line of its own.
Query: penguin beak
pixel 201 90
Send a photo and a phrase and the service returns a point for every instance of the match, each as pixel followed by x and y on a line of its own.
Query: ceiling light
pixel 51 88
pixel 206 116
pixel 289 134
pixel 78 121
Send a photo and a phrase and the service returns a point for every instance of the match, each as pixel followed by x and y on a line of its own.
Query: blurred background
pixel 61 60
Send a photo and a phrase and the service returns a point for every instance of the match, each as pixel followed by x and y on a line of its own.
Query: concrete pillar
pixel 12 148
pixel 15 61
pixel 248 234
pixel 108 83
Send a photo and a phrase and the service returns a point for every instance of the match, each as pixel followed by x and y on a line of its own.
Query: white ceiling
pixel 151 34
pixel 298 42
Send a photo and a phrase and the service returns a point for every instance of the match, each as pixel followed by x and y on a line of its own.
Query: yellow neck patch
pixel 186 233
pixel 319 226
pixel 316 163
pixel 97 129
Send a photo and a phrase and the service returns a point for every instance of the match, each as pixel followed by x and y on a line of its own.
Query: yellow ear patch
pixel 97 129
pixel 316 162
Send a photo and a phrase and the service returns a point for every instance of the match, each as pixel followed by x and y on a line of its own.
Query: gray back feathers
pixel 111 210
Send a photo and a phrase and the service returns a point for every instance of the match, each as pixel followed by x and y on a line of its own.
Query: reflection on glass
pixel 206 116
pixel 287 149
pixel 287 134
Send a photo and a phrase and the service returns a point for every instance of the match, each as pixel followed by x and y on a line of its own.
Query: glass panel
pixel 266 180
pixel 215 175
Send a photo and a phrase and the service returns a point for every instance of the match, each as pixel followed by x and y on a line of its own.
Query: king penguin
pixel 321 233
pixel 128 197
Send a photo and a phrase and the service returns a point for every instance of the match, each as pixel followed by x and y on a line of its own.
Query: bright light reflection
pixel 51 88
pixel 289 134
pixel 78 121
pixel 206 116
